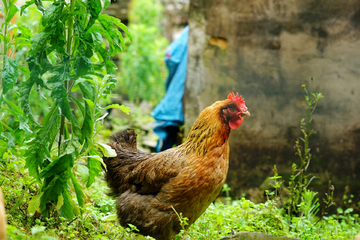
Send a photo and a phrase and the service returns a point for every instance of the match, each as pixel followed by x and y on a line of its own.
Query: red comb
pixel 240 101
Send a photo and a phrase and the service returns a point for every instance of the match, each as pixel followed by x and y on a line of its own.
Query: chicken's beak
pixel 243 114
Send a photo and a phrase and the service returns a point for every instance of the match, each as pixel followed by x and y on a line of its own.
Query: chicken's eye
pixel 231 109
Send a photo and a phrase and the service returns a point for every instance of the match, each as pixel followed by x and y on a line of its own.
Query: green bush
pixel 142 73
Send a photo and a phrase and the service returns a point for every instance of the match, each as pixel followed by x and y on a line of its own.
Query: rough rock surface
pixel 265 50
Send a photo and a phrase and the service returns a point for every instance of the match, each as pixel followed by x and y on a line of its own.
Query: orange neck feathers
pixel 209 131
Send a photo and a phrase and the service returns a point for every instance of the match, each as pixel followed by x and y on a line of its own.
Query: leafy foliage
pixel 299 179
pixel 69 61
pixel 141 74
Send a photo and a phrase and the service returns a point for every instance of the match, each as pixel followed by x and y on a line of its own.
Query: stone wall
pixel 265 50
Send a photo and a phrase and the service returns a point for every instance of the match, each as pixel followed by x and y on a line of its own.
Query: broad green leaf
pixel 40 6
pixel 117 22
pixel 79 194
pixel 38 41
pixel 72 146
pixel 122 107
pixel 60 202
pixel 54 26
pixel 110 84
pixel 110 218
pixel 90 103
pixel 68 208
pixel 105 33
pixel 34 204
pixel 44 61
pixel 94 9
pixel 50 14
pixel 97 40
pixel 115 34
pixel 87 89
pixel 83 62
pixel 23 125
pixel 26 5
pixel 13 9
pixel 53 111
pixel 37 229
pixel 88 123
pixel 110 66
pixel 52 188
pixel 38 149
pixel 58 166
pixel 79 104
pixel 10 140
pixel 84 173
pixel 59 93
pixel 24 91
pixel 9 74
pixel 60 96
pixel 13 106
pixel 106 3
pixel 24 31
pixel 107 150
pixel 99 159
pixel 8 128
pixel 94 167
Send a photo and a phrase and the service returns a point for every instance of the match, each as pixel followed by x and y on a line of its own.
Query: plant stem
pixel 69 40
pixel 66 85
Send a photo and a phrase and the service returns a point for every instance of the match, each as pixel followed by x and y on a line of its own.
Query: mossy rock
pixel 256 236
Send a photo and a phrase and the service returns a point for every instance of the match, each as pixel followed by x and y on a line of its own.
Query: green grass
pixel 98 220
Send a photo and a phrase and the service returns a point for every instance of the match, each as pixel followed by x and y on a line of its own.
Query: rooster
pixel 152 188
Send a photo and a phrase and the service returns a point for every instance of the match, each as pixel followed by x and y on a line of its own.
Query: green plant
pixel 299 179
pixel 227 190
pixel 69 59
pixel 141 72
pixel 276 184
pixel 183 222
pixel 14 128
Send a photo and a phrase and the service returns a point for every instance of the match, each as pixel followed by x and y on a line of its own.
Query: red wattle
pixel 235 122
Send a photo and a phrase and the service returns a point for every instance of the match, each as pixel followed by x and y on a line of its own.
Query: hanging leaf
pixel 58 166
pixel 13 9
pixel 84 173
pixel 52 188
pixel 68 209
pixel 23 125
pixel 94 9
pixel 9 74
pixel 79 194
pixel 121 107
pixel 117 22
pixel 106 150
pixel 83 62
pixel 106 3
pixel 94 167
pixel 25 6
pixel 59 93
pixel 38 149
pixel 9 138
pixel 34 204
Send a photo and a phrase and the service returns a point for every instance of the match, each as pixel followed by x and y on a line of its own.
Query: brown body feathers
pixel 188 178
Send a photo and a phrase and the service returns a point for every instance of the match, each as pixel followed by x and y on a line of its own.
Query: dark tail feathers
pixel 126 138
pixel 124 143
